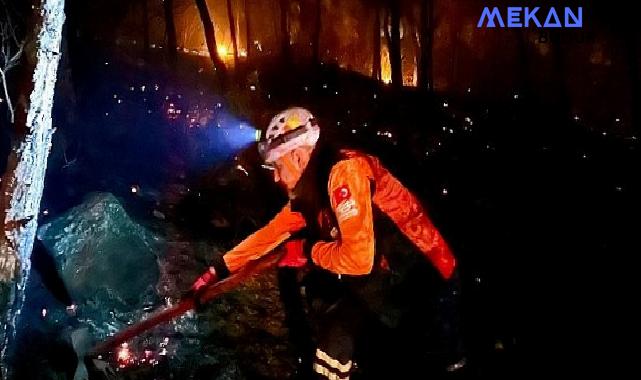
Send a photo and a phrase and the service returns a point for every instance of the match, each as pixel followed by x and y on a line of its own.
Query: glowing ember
pixel 124 356
pixel 172 112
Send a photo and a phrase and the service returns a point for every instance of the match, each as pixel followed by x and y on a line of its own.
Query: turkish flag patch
pixel 345 206
pixel 341 194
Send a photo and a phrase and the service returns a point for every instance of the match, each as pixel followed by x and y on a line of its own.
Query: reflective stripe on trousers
pixel 331 368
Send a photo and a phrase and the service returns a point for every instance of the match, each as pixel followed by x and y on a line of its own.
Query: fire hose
pixel 252 268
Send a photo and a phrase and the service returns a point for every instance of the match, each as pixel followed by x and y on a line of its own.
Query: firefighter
pixel 349 210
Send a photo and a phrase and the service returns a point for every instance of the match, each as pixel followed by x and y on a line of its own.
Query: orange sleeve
pixel 397 202
pixel 265 239
pixel 350 197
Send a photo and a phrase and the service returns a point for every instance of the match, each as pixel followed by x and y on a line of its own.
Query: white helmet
pixel 290 129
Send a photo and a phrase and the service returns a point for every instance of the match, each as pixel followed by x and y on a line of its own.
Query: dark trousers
pixel 389 330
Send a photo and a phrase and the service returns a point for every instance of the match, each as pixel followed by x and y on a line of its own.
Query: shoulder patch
pixel 345 206
pixel 341 194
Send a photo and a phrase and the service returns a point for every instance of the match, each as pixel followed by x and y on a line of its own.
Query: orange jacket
pixel 352 250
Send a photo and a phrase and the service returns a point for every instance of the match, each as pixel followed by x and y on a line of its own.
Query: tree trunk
pixel 376 56
pixel 317 32
pixel 210 38
pixel 248 34
pixel 23 181
pixel 395 44
pixel 425 70
pixel 232 30
pixel 170 32
pixel 284 30
pixel 145 30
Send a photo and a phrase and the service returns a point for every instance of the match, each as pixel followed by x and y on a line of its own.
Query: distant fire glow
pixel 386 66
pixel 222 51
pixel 346 20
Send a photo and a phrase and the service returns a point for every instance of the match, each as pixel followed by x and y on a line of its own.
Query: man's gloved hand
pixel 293 254
pixel 207 278
pixel 199 286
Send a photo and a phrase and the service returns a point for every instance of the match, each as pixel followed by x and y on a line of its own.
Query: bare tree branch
pixel 11 50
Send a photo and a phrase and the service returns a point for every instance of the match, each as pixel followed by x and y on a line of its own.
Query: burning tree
pixel 23 180
pixel 248 33
pixel 395 43
pixel 376 46
pixel 425 72
pixel 170 31
pixel 232 31
pixel 210 38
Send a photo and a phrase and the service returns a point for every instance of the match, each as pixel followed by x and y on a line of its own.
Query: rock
pixel 107 261
pixel 103 252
